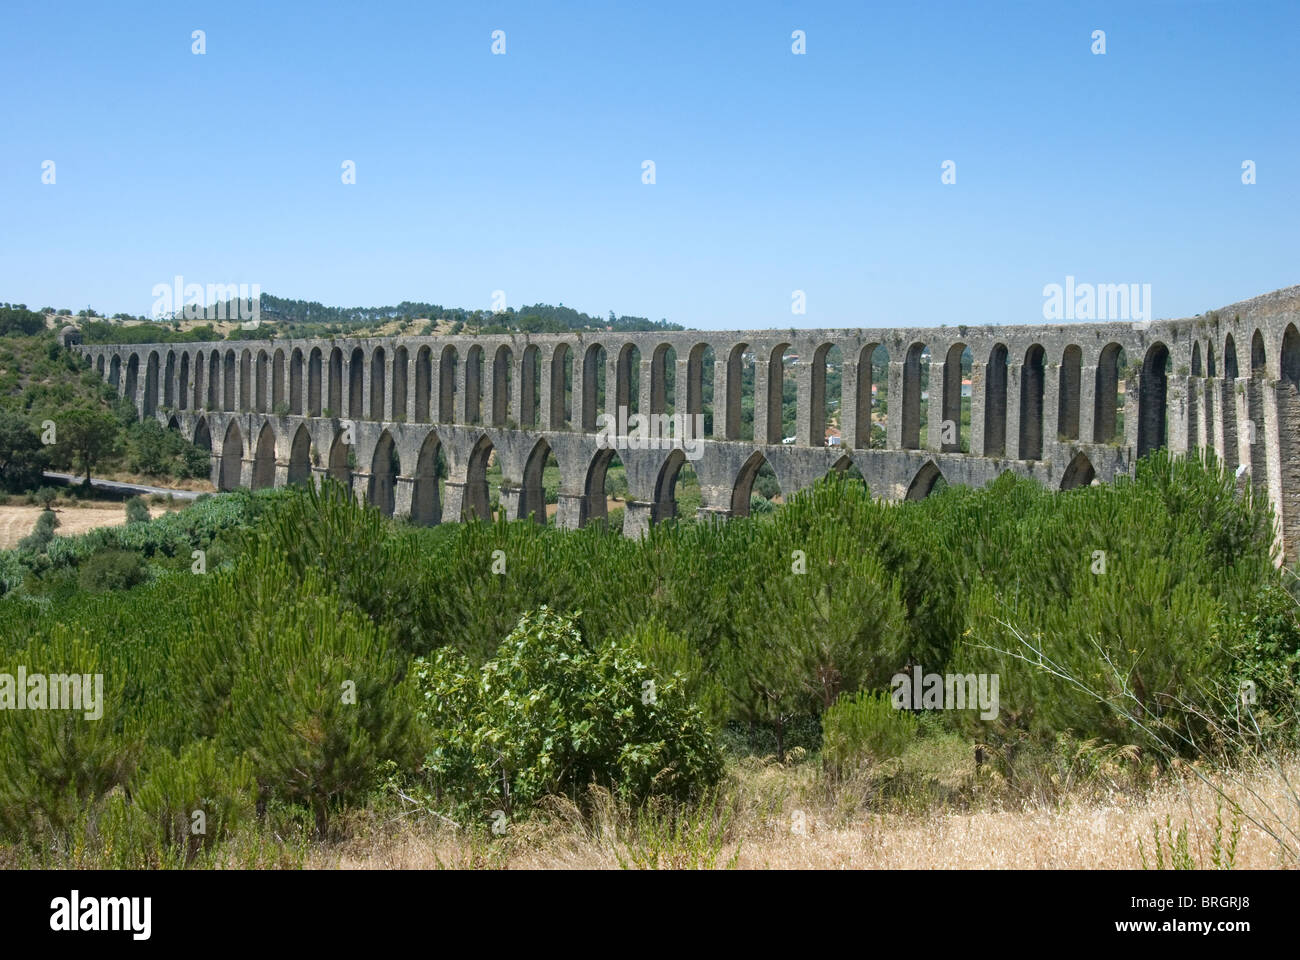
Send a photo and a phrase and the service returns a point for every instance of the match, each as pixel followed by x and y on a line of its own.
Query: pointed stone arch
pixel 300 456
pixel 264 459
pixel 426 503
pixel 532 496
pixel 1079 473
pixel 340 462
pixel 743 488
pixel 925 481
pixel 595 498
pixel 232 458
pixel 202 437
pixel 478 501
pixel 665 502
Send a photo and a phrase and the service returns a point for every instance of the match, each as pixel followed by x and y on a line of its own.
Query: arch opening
pixel 430 475
pixel 928 479
pixel 1033 381
pixel 757 488
pixel 1153 400
pixel 605 489
pixel 232 458
pixel 478 502
pixel 264 459
pixel 1079 473
pixel 300 457
pixel 381 489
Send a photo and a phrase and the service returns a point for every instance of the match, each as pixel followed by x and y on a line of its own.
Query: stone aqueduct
pixel 1044 400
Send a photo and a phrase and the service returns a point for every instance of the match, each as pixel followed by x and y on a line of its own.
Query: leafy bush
pixel 550 716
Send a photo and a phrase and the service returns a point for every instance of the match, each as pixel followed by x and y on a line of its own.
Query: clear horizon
pixel 774 172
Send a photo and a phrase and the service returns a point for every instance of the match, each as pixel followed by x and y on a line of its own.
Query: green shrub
pixel 54 764
pixel 174 788
pixel 306 690
pixel 112 570
pixel 862 728
pixel 42 533
pixel 550 716
pixel 671 655
pixel 137 511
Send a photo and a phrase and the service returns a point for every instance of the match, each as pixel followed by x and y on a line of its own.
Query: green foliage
pixel 17 320
pixel 864 727
pixel 551 715
pixel 22 456
pixel 54 763
pixel 137 511
pixel 174 788
pixel 42 534
pixel 305 690
pixel 110 570
pixel 85 436
pixel 671 655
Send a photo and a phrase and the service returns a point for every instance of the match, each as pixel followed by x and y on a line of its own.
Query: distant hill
pixel 308 318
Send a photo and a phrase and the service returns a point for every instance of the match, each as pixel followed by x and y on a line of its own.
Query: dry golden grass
pixel 75 517
pixel 786 818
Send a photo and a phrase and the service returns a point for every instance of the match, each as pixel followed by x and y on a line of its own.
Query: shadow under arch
pixel 926 481
pixel 743 488
pixel 340 463
pixel 264 459
pixel 1079 473
pixel 532 502
pixel 300 456
pixel 426 504
pixel 594 490
pixel 665 507
pixel 381 490
pixel 478 504
pixel 232 455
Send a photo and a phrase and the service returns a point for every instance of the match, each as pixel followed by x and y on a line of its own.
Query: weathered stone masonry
pixel 1043 405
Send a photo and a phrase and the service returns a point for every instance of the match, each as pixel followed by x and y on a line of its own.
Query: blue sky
pixel 774 172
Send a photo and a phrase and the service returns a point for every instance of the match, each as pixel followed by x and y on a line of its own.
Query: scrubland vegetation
pixel 326 686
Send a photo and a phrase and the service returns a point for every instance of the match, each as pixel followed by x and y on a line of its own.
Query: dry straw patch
pixel 786 818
